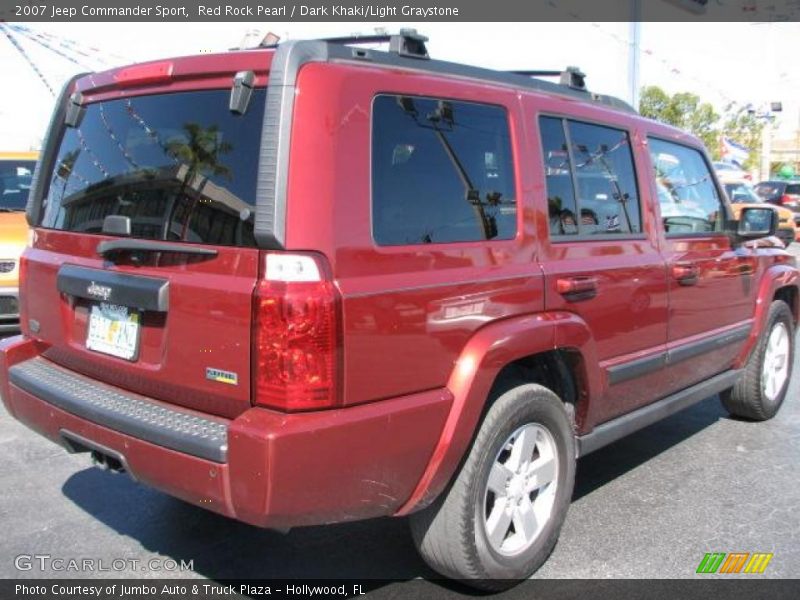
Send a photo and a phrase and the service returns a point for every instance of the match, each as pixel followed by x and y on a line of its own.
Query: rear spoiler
pixel 44 167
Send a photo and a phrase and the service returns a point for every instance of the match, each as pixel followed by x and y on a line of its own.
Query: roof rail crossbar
pixel 407 43
pixel 572 77
pixel 537 73
pixel 359 39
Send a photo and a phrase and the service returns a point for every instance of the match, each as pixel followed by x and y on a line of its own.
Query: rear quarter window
pixel 441 172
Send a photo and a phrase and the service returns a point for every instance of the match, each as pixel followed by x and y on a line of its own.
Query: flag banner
pixel 733 152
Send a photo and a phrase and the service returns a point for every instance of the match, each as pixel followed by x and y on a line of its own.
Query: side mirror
pixel 756 222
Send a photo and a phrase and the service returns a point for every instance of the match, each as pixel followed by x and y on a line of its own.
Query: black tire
pixel 748 399
pixel 451 535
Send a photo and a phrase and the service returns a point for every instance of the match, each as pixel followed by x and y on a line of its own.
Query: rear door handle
pixel 575 289
pixel 685 273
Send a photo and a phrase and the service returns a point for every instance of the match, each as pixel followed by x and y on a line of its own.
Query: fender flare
pixel 774 278
pixel 485 354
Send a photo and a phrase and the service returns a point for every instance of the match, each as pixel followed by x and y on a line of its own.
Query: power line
pixel 77 48
pixel 27 58
pixel 40 40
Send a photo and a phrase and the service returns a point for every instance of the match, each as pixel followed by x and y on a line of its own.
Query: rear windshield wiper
pixel 125 245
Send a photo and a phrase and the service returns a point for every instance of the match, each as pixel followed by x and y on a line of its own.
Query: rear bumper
pixel 9 309
pixel 266 468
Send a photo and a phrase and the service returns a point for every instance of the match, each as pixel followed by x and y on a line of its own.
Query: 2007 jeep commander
pixel 315 282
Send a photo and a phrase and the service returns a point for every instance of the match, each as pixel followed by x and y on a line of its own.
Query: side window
pixel 561 206
pixel 441 172
pixel 606 180
pixel 687 195
pixel 591 181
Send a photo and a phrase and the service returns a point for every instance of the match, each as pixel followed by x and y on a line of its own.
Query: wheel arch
pixel 779 282
pixel 788 294
pixel 489 364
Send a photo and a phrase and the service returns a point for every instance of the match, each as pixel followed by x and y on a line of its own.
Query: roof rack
pixel 572 77
pixel 407 42
pixel 410 44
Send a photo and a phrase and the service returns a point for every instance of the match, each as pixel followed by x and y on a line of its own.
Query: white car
pixel 730 171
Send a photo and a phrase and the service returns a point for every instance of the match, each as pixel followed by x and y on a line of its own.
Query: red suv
pixel 316 283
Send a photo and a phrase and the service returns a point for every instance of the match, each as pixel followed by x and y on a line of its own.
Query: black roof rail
pixel 572 77
pixel 408 43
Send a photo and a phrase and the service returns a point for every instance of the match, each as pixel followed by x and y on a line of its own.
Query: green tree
pixel 685 111
pixel 745 127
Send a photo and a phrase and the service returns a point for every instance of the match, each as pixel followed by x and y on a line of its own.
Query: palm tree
pixel 200 151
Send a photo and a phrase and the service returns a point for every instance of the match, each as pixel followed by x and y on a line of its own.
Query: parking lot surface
pixel 648 506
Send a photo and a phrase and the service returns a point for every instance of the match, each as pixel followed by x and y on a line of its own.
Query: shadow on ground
pixel 221 548
pixel 598 468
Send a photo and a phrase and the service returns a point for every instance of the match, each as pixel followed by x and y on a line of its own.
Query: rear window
pixel 769 191
pixel 740 193
pixel 441 172
pixel 181 166
pixel 793 188
pixel 15 183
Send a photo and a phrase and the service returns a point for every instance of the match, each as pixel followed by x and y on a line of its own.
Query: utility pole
pixel 766 151
pixel 767 116
pixel 634 34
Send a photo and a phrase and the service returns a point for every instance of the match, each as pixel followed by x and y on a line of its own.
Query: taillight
pixel 295 339
pixel 785 199
pixel 23 270
pixel 22 306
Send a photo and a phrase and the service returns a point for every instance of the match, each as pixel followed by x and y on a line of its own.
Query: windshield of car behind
pixel 741 193
pixel 15 183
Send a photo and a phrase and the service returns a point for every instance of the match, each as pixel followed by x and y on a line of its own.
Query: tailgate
pixel 193 350
pixel 144 263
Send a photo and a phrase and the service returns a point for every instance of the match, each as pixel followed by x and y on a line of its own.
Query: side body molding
pixel 489 350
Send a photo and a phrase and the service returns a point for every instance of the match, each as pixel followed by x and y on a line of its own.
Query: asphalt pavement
pixel 648 506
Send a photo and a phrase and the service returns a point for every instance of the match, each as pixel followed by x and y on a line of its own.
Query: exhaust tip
pixel 106 458
pixel 107 462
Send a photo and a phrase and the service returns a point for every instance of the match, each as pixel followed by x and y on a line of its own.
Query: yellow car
pixel 16 171
pixel 741 194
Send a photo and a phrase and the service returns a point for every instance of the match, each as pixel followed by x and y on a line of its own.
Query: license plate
pixel 114 330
